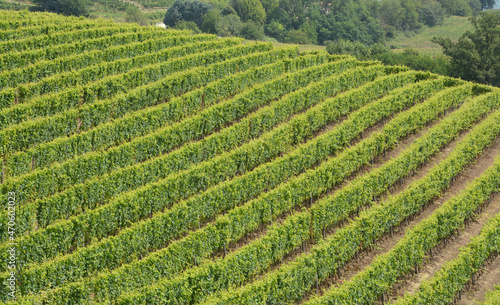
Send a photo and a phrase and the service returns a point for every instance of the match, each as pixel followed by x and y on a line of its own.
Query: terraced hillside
pixel 144 166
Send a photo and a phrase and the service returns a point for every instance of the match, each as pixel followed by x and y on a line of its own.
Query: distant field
pixel 453 28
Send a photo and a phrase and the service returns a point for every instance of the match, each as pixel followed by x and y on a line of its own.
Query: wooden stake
pixel 317 284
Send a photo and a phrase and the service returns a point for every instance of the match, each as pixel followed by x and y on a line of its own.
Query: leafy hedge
pixel 242 220
pixel 40 30
pixel 157 196
pixel 13 20
pixel 33 43
pixel 138 149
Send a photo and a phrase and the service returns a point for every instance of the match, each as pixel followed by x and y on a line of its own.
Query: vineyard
pixel 150 166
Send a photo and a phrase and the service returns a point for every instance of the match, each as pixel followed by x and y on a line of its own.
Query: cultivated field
pixel 149 166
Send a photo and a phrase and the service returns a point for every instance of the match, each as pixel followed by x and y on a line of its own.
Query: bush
pixel 250 10
pixel 456 7
pixel 297 36
pixel 229 25
pixel 275 30
pixel 210 20
pixel 341 47
pixel 133 14
pixel 252 31
pixel 416 61
pixel 188 11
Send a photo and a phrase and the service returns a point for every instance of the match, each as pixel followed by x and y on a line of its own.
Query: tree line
pixel 317 22
pixel 474 57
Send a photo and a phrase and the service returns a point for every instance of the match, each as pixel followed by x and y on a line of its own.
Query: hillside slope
pixel 453 27
pixel 144 166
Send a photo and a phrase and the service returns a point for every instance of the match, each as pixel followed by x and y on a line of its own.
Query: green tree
pixel 270 6
pixel 291 13
pixel 349 20
pixel 391 12
pixel 275 30
pixel 66 7
pixel 476 55
pixel 210 20
pixel 229 25
pixel 228 10
pixel 188 11
pixel 475 6
pixel 250 10
pixel 431 14
pixel 401 14
pixel 310 29
pixel 409 20
pixel 250 30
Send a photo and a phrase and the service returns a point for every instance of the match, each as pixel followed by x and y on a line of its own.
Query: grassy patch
pixel 452 27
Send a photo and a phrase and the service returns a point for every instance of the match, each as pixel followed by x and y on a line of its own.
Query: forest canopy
pixel 319 22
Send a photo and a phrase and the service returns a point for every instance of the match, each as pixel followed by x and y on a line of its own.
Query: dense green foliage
pixel 292 280
pixel 250 10
pixel 192 11
pixel 312 22
pixel 475 56
pixel 66 7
